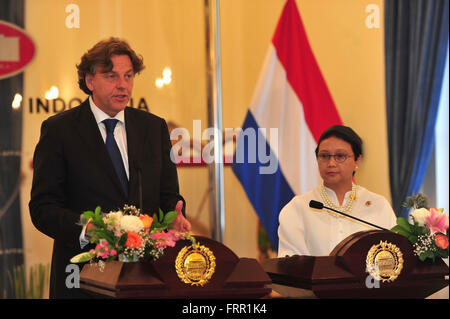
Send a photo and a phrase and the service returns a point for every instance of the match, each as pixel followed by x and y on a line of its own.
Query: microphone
pixel 319 205
pixel 137 165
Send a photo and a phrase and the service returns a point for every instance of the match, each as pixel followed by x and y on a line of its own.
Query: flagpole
pixel 214 96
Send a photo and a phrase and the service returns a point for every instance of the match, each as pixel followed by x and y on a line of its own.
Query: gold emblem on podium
pixel 384 261
pixel 195 265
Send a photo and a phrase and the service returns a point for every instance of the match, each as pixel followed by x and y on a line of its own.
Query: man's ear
pixel 88 79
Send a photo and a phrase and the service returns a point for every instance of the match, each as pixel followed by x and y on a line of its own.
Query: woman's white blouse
pixel 307 231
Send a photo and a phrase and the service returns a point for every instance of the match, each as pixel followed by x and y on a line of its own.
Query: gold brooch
pixel 384 261
pixel 195 265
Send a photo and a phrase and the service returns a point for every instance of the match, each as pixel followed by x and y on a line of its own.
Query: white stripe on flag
pixel 292 96
pixel 275 105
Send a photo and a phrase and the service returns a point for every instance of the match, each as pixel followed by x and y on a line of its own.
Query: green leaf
pixel 81 258
pixel 431 255
pixel 88 214
pixel 403 232
pixel 419 230
pixel 106 234
pixel 170 217
pixel 161 215
pixel 442 253
pixel 193 240
pixel 155 223
pixel 412 239
pixel 123 240
pixel 97 212
pixel 158 228
pixel 423 256
pixel 399 230
pixel 403 223
pixel 416 229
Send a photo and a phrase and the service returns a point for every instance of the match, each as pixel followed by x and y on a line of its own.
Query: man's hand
pixel 180 223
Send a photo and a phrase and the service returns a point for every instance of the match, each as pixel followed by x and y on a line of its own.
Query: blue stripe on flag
pixel 268 193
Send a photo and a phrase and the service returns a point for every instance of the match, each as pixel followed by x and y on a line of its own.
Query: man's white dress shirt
pixel 120 135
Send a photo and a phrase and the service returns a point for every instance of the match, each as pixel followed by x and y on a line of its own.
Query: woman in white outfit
pixel 307 231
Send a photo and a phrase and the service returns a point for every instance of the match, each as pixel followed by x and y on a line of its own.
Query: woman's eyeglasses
pixel 338 158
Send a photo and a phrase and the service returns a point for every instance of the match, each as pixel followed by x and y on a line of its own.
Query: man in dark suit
pixel 82 161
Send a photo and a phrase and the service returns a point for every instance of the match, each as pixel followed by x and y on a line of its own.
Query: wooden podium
pixel 233 277
pixel 344 273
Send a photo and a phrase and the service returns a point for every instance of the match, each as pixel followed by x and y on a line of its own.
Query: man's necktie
pixel 114 153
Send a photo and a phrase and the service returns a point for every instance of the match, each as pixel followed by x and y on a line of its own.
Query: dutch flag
pixel 290 108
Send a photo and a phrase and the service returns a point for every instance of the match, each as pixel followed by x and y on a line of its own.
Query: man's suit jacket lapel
pixel 96 149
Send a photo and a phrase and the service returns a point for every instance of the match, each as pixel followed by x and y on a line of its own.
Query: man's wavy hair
pixel 100 55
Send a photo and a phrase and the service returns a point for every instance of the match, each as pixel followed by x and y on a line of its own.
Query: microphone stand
pixel 319 205
pixel 139 175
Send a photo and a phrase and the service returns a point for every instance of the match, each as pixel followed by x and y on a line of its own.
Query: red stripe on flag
pixel 303 73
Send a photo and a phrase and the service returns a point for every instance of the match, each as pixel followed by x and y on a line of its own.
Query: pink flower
pixel 437 222
pixel 157 236
pixel 172 237
pixel 117 232
pixel 102 250
pixel 164 240
pixel 174 234
pixel 160 239
pixel 170 242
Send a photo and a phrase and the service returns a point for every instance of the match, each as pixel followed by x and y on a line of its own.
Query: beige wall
pixel 351 58
pixel 170 33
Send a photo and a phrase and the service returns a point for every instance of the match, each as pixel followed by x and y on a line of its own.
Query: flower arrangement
pixel 427 229
pixel 128 235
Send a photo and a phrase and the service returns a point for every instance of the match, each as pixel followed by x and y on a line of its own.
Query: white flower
pixel 131 223
pixel 113 217
pixel 419 215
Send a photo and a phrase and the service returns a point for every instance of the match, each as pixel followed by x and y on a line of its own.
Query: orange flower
pixel 146 220
pixel 441 241
pixel 133 240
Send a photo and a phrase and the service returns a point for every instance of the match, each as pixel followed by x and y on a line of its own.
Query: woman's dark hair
pixel 344 133
pixel 100 55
